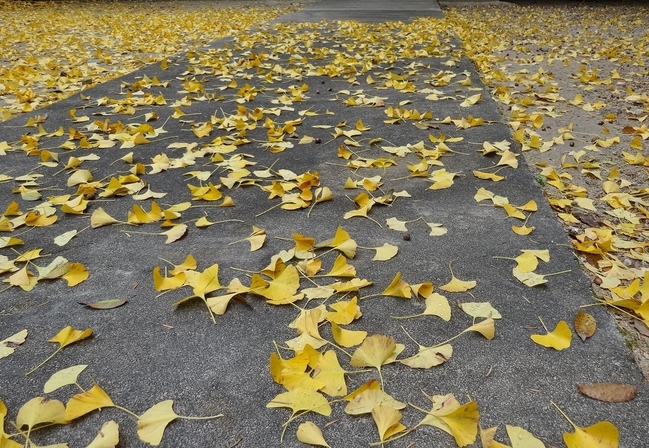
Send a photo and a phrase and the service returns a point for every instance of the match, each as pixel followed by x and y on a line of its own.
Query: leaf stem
pixel 563 413
pixel 407 317
pixel 200 418
pixel 546 328
pixel 46 359
pixel 131 413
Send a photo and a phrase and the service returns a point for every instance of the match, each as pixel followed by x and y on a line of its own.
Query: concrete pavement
pixel 401 81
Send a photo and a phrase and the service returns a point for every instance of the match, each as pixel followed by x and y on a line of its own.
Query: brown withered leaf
pixel 585 325
pixel 609 392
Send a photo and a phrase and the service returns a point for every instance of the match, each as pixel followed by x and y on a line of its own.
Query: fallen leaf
pixel 347 338
pixel 585 325
pixel 65 337
pixel 308 432
pixel 558 339
pixel 86 402
pixel 64 377
pixel 300 399
pixel 375 351
pixel 108 436
pixel 15 339
pixel 105 304
pixel 387 421
pixel 366 399
pixel 479 309
pixel 609 392
pixel 175 233
pixel 40 411
pixel 151 425
pixel 385 252
pixel 600 435
pixel 460 421
pixel 428 357
pixel 521 438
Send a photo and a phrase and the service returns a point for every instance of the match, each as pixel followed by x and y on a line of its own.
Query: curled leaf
pixel 585 325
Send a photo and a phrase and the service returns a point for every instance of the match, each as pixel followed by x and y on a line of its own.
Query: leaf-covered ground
pixel 51 50
pixel 205 150
pixel 573 83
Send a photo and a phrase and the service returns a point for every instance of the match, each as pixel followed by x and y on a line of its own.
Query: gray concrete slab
pixel 148 350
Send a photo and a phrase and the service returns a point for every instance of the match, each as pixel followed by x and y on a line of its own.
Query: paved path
pixel 148 350
pixel 365 11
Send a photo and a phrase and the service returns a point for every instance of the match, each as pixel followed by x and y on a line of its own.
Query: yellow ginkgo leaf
pixel 457 285
pixel 508 158
pixel 487 176
pixel 485 327
pixel 487 438
pixel 347 338
pixel 100 218
pixel 282 289
pixel 436 229
pixel 206 282
pixel 79 177
pixel 15 339
pixel 343 242
pixel 151 425
pixel 309 433
pixel 65 238
pixel 558 339
pixel 256 238
pixel 398 288
pixel 77 274
pixel 521 438
pixel 369 396
pixel 40 411
pixel 328 370
pixel 470 101
pixel 375 351
pixel 480 309
pixel 460 421
pixel 300 399
pixel 600 435
pixel 428 357
pixel 167 283
pixel 436 305
pixel 387 421
pixel 65 337
pixel 175 233
pixel 529 278
pixel 346 311
pixel 522 230
pixel 396 224
pixel 442 179
pixel 108 436
pixel 63 377
pixel 341 268
pixel 513 212
pixel 69 335
pixel 86 402
pixel 219 304
pixel 385 252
